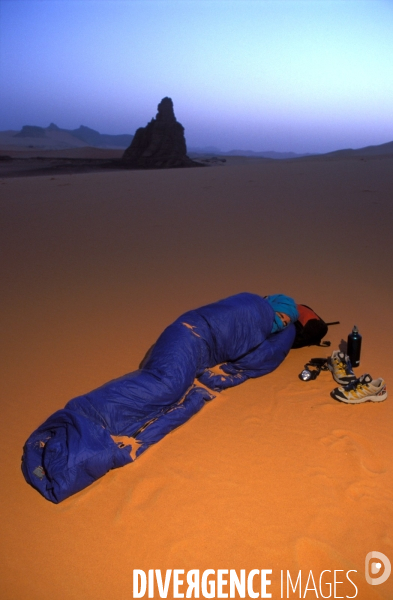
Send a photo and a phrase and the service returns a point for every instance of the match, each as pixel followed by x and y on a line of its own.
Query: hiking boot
pixel 364 389
pixel 340 365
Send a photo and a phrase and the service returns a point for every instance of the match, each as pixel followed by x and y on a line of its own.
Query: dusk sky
pixel 284 75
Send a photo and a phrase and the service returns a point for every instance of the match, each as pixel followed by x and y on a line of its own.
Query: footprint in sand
pixel 317 556
pixel 345 441
pixel 372 491
pixel 147 491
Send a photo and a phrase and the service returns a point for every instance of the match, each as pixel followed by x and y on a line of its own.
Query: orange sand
pixel 273 474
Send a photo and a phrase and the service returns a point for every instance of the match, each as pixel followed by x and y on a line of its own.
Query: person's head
pixel 285 309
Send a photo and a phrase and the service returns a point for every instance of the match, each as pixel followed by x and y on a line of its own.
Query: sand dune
pixel 378 150
pixel 273 474
pixel 83 152
pixel 53 140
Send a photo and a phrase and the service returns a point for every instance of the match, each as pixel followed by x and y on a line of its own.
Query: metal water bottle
pixel 354 346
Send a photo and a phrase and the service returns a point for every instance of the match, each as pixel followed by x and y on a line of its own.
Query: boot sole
pixel 361 400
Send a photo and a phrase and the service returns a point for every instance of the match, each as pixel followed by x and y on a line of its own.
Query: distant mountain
pixel 378 150
pixel 366 151
pixel 87 136
pixel 31 131
pixel 96 139
pixel 263 154
pixel 204 150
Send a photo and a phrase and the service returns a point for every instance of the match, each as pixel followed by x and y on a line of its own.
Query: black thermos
pixel 353 347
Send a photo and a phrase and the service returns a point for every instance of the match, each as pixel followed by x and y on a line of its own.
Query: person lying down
pixel 246 334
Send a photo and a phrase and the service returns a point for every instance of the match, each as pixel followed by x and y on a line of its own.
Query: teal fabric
pixel 284 304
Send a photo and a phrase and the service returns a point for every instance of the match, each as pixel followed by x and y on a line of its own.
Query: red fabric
pixel 305 314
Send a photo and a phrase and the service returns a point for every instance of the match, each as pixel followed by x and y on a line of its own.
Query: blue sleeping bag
pixel 74 447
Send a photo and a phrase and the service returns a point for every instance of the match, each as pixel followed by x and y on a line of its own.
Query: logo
pixel 374 562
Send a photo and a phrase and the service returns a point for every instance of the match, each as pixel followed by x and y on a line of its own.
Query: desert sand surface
pixel 26 162
pixel 273 474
